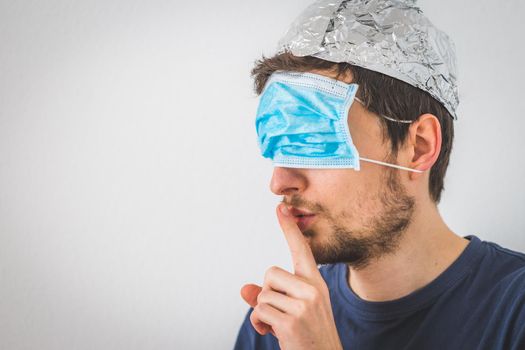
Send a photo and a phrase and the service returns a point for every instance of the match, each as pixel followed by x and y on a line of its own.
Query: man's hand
pixel 296 307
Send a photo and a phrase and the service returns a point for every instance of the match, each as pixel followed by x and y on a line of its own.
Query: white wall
pixel 133 200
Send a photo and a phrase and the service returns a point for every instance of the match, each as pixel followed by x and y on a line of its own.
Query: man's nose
pixel 287 181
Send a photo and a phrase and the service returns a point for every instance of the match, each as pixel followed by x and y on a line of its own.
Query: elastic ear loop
pixel 383 163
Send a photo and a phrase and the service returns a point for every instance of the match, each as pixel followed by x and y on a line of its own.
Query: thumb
pixel 249 293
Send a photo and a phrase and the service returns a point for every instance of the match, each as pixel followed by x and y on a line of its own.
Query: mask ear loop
pixel 383 163
pixel 391 165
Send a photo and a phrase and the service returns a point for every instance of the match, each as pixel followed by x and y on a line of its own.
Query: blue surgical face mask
pixel 302 122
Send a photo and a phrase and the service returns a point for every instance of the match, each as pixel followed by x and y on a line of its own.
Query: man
pixel 371 81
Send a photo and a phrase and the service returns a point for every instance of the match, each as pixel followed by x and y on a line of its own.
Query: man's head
pixel 360 215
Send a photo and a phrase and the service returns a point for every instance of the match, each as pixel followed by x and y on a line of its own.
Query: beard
pixel 379 236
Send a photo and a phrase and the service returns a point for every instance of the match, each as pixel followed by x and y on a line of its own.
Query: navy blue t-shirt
pixel 478 302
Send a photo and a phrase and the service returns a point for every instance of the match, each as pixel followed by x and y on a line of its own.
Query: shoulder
pixel 501 264
pixel 513 302
pixel 507 269
pixel 515 283
pixel 510 254
pixel 504 269
pixel 496 291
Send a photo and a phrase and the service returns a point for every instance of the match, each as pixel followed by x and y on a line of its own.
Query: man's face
pixel 359 215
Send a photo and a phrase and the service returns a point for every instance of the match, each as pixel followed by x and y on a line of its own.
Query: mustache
pixel 298 202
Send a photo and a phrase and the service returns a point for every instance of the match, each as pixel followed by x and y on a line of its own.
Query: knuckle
pixel 261 307
pixel 256 312
pixel 253 315
pixel 271 271
pixel 261 297
pixel 257 323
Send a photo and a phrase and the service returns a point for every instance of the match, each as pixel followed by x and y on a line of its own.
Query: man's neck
pixel 427 248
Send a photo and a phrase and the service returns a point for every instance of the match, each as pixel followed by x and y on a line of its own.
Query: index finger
pixel 302 257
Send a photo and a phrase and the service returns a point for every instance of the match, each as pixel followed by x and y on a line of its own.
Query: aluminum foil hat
pixel 387 36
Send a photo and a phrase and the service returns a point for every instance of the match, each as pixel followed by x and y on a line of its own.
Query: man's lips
pixel 303 218
pixel 299 212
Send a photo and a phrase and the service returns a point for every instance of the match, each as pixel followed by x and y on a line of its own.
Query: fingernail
pixel 284 210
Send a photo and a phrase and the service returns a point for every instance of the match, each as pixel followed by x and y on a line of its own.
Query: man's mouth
pixel 302 218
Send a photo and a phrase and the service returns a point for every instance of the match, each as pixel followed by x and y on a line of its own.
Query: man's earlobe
pixel 425 138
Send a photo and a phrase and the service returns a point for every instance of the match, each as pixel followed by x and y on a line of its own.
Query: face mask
pixel 301 122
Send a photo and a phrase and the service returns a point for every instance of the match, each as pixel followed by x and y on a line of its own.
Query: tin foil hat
pixel 392 37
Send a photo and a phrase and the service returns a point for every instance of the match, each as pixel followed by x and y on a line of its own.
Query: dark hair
pixel 381 94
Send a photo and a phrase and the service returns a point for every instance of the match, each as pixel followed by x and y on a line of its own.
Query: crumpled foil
pixel 392 37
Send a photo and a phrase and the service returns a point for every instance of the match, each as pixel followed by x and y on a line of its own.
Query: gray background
pixel 134 203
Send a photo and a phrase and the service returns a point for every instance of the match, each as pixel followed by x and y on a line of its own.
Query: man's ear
pixel 425 139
